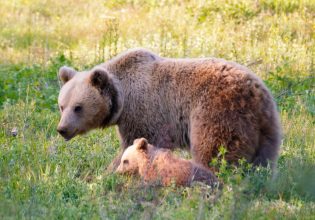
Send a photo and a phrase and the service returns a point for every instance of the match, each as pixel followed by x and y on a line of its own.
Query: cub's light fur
pixel 201 104
pixel 156 165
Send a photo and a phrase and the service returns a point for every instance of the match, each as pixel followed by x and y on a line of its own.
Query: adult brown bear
pixel 197 103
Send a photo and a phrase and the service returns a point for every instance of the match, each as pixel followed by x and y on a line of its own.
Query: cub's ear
pixel 99 78
pixel 142 144
pixel 66 73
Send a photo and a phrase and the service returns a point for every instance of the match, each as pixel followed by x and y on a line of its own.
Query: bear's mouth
pixel 68 137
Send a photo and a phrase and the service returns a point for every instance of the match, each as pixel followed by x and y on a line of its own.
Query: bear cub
pixel 160 166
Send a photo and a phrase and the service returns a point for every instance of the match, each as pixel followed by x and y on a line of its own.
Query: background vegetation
pixel 42 176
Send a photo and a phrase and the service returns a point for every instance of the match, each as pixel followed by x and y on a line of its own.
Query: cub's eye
pixel 126 161
pixel 77 109
pixel 61 108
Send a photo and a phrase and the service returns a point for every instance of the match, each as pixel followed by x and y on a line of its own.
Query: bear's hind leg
pixel 269 142
pixel 202 142
pixel 231 130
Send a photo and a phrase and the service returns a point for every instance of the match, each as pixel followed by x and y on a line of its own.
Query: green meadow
pixel 44 177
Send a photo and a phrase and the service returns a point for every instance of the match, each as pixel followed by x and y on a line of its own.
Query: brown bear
pixel 201 104
pixel 160 166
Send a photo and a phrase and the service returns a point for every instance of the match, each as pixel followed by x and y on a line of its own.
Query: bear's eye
pixel 77 109
pixel 126 161
pixel 61 108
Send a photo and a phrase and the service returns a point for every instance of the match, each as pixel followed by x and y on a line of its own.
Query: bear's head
pixel 88 100
pixel 134 156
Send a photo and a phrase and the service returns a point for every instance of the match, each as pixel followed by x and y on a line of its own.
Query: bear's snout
pixel 63 131
pixel 119 169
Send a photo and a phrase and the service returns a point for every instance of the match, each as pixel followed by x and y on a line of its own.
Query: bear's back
pixel 167 168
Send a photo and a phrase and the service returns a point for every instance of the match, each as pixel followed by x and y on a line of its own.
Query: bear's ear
pixel 99 78
pixel 142 144
pixel 66 73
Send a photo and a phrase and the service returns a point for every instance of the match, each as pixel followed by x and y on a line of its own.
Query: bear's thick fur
pixel 197 103
pixel 156 165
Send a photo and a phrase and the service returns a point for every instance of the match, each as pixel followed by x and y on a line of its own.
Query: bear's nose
pixel 62 131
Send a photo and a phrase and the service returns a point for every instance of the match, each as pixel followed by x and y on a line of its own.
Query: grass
pixel 42 176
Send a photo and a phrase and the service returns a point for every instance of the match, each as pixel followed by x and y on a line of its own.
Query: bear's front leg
pixel 115 163
pixel 125 141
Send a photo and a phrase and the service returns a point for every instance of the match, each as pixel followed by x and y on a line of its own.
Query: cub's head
pixel 133 156
pixel 87 100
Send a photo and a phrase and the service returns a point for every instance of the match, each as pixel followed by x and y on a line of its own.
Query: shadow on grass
pixel 293 180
